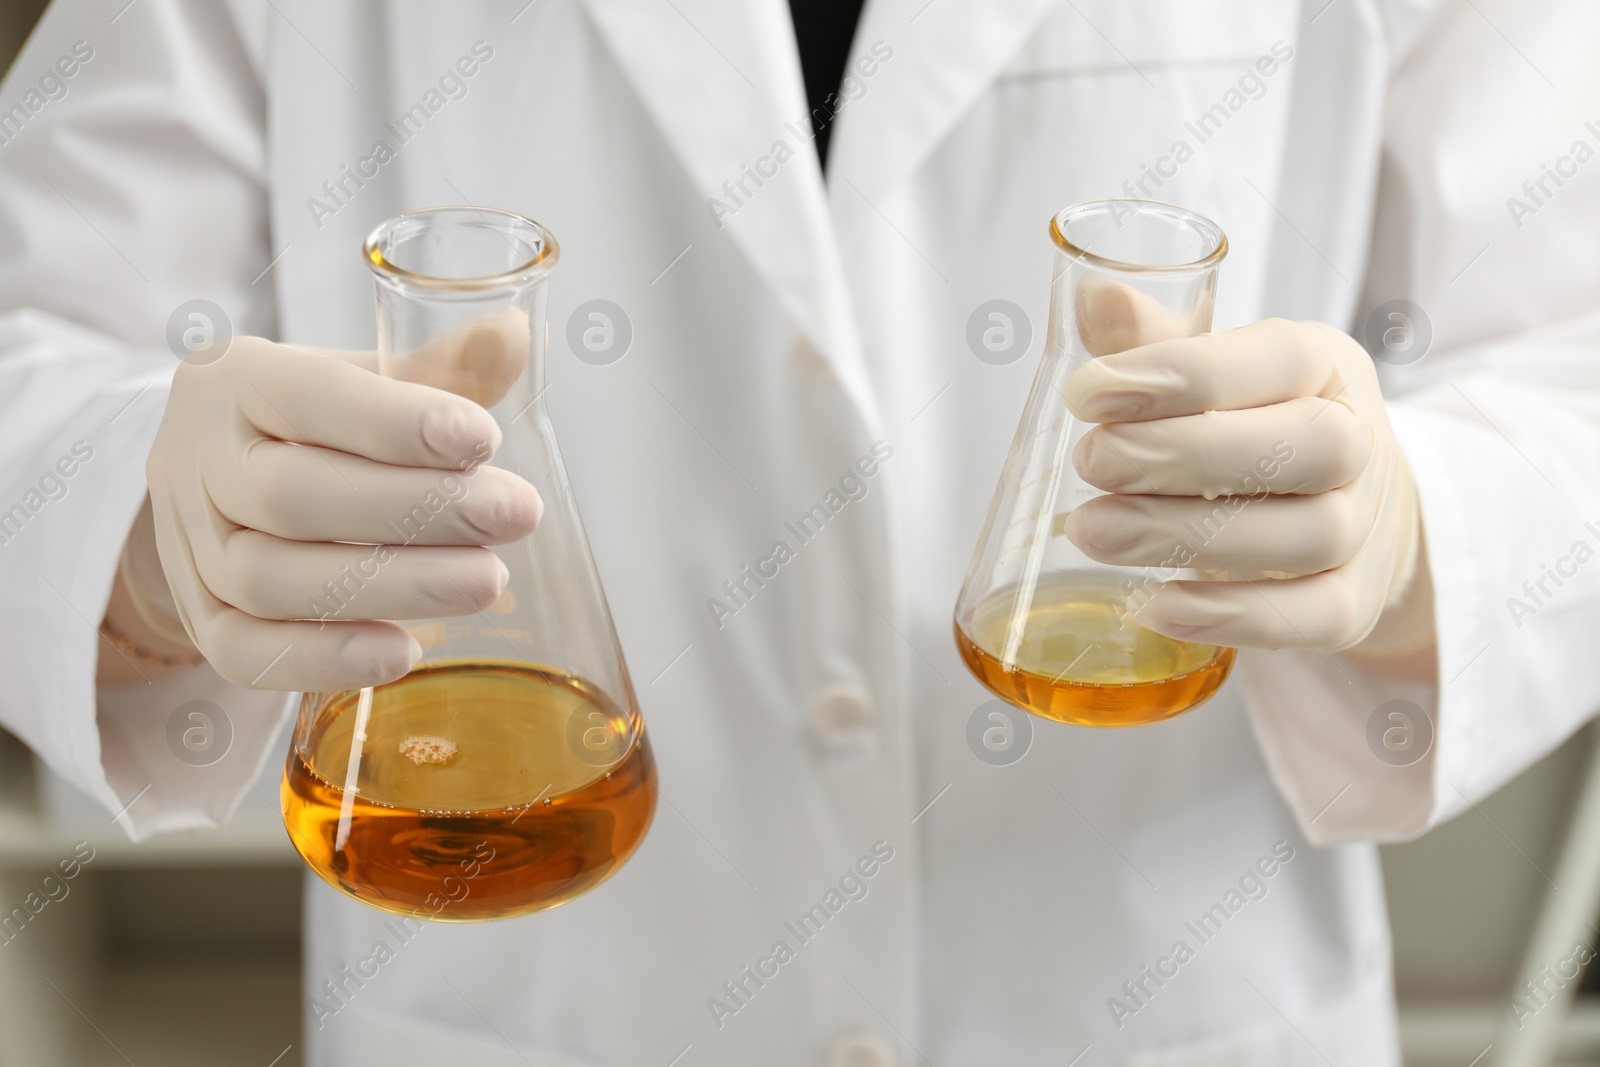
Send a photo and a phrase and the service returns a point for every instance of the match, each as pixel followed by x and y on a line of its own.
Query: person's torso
pixel 779 333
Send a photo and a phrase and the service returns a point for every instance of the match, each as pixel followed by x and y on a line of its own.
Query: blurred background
pixel 185 951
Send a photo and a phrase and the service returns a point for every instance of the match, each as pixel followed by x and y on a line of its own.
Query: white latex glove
pixel 250 523
pixel 1264 450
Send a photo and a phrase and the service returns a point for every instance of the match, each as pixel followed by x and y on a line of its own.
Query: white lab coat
pixel 771 348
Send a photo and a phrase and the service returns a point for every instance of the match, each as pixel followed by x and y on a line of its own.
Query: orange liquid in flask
pixel 478 794
pixel 1079 659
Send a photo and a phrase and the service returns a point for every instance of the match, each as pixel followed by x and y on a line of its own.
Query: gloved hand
pixel 280 471
pixel 1264 449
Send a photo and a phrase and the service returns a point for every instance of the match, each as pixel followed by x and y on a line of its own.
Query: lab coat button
pixel 862 1048
pixel 841 713
pixel 812 363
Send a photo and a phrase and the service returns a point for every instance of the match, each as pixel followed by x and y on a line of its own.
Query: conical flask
pixel 1040 624
pixel 509 771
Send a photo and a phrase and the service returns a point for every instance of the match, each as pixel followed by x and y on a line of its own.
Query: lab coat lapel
pixel 946 53
pixel 723 82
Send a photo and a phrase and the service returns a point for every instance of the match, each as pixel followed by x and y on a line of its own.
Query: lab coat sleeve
pixel 131 182
pixel 1488 209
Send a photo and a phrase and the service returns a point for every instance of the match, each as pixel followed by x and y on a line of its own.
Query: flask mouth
pixel 1139 236
pixel 460 248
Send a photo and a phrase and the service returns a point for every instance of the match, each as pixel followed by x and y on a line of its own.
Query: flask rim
pixel 1180 214
pixel 538 267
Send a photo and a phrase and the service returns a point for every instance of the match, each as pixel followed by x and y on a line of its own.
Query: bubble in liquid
pixel 428 749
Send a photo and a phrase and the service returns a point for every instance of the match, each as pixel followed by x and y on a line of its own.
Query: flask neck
pixel 485 346
pixel 460 300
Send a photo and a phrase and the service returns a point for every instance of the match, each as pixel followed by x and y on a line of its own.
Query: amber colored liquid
pixel 483 791
pixel 1080 660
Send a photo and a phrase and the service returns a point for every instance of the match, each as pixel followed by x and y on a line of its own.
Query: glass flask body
pixel 509 771
pixel 1039 623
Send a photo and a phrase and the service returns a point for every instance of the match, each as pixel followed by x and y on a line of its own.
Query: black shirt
pixel 824 29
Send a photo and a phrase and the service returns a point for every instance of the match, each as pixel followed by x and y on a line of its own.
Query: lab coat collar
pixel 945 54
pixel 723 82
